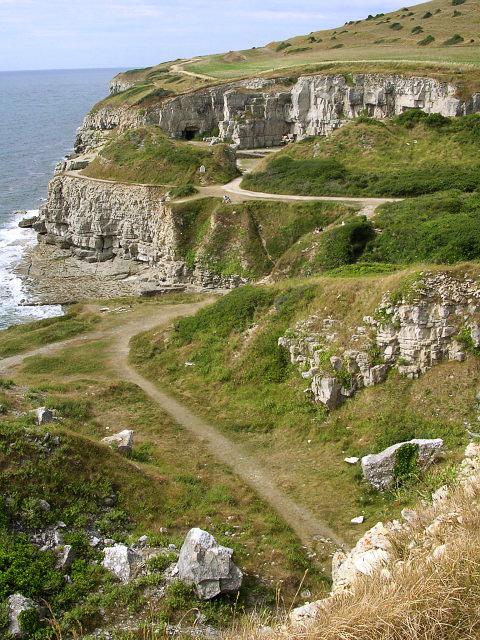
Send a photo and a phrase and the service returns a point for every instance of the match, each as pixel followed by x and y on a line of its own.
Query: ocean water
pixel 39 114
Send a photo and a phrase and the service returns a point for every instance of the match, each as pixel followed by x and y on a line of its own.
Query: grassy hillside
pixel 147 155
pixel 171 483
pixel 247 239
pixel 243 381
pixel 409 155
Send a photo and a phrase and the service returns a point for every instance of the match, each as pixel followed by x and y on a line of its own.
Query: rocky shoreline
pixel 52 276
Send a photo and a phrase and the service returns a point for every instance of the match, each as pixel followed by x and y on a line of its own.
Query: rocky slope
pixel 261 112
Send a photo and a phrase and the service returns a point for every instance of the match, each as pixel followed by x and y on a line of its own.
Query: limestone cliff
pixel 263 112
pixel 99 220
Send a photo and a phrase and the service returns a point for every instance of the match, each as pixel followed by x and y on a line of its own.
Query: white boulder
pixel 379 468
pixel 207 565
pixel 122 441
pixel 44 416
pixel 17 604
pixel 121 561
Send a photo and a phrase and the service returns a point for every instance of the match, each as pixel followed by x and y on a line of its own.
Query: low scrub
pixel 441 228
pixel 410 155
pixel 147 155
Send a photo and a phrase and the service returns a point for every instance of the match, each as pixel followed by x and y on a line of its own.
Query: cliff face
pixel 99 220
pixel 262 112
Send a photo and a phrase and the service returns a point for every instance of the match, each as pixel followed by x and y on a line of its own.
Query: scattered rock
pixel 65 557
pixel 304 615
pixel 17 604
pixel 351 460
pixel 358 520
pixel 207 565
pixel 44 416
pixel 122 441
pixel 379 469
pixel 121 561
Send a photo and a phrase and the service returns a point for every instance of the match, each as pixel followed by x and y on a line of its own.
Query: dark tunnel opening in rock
pixel 190 133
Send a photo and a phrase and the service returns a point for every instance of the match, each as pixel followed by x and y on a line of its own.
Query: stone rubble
pixel 431 324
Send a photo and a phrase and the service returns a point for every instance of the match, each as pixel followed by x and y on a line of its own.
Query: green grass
pixel 25 337
pixel 441 228
pixel 242 381
pixel 410 155
pixel 147 155
pixel 247 239
pixel 172 482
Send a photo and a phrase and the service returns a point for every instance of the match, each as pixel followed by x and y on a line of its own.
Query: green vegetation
pixel 25 337
pixel 441 228
pixel 410 155
pixel 171 483
pixel 147 155
pixel 455 39
pixel 426 41
pixel 248 239
pixel 243 381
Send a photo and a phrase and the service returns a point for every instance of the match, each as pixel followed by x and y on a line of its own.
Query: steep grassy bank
pixel 243 381
pixel 247 239
pixel 147 155
pixel 410 155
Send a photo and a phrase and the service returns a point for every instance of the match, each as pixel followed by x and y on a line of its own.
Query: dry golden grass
pixel 424 599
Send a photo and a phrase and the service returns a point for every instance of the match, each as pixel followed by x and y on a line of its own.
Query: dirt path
pixel 307 527
pixel 178 68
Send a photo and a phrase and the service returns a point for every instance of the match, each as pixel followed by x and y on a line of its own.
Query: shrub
pixel 396 26
pixel 183 191
pixel 417 30
pixel 426 15
pixel 282 45
pixel 455 3
pixel 406 463
pixel 344 245
pixel 161 562
pixel 426 41
pixel 455 39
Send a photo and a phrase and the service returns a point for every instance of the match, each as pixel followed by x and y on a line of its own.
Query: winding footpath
pixel 306 525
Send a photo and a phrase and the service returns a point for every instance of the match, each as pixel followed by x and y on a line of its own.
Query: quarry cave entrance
pixel 189 133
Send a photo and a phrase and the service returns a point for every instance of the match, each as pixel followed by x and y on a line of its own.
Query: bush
pixel 455 39
pixel 344 245
pixel 455 3
pixel 426 41
pixel 158 564
pixel 183 191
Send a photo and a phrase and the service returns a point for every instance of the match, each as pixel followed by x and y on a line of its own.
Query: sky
pixel 72 34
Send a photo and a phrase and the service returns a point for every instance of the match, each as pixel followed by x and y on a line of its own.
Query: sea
pixel 39 114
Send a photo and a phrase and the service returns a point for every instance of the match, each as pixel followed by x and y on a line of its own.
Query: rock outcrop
pixel 436 320
pixel 261 112
pixel 97 221
pixel 424 536
pixel 208 566
pixel 379 468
